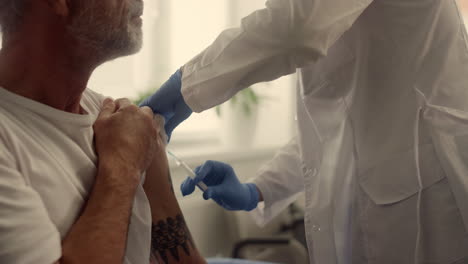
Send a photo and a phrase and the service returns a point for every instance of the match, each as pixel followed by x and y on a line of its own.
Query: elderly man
pixel 71 161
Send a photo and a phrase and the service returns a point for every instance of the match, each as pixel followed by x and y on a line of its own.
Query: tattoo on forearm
pixel 169 236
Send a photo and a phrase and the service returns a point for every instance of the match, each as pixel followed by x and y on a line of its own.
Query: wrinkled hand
pixel 169 102
pixel 126 135
pixel 223 187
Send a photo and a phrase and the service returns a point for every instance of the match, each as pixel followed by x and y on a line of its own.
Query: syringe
pixel 180 163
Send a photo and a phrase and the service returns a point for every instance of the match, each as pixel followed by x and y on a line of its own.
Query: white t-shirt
pixel 47 170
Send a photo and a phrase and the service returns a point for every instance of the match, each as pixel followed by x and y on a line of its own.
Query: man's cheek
pixel 120 17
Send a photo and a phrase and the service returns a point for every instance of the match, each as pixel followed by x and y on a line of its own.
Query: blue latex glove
pixel 169 102
pixel 223 187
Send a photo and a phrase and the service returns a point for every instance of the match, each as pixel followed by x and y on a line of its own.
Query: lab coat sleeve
pixel 27 235
pixel 280 181
pixel 271 42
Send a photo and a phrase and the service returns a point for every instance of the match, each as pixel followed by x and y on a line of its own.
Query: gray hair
pixel 11 12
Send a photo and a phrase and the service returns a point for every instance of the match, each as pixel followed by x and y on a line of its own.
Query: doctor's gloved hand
pixel 169 102
pixel 223 187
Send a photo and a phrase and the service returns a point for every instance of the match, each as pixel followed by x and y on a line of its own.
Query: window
pixel 193 25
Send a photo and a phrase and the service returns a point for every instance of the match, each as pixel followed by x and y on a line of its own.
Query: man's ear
pixel 60 7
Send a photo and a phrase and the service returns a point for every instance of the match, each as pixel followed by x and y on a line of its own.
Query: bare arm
pixel 100 234
pixel 168 218
pixel 125 139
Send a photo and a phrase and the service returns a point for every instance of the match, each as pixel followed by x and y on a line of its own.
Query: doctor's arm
pixel 278 183
pixel 171 239
pixel 271 42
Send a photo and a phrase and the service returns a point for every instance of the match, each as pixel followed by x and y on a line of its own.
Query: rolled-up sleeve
pixel 27 235
pixel 272 42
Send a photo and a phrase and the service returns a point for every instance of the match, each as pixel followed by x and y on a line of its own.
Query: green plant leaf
pixel 247 109
pixel 252 96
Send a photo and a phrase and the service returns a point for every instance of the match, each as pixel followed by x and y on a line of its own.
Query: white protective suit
pixel 382 144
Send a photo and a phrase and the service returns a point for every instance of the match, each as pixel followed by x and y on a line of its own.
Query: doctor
pixel 381 149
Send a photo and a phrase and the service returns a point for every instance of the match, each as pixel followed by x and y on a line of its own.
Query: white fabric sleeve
pixel 280 181
pixel 271 42
pixel 27 235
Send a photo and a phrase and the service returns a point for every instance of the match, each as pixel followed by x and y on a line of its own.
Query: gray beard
pixel 102 41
